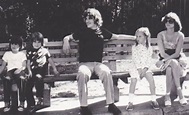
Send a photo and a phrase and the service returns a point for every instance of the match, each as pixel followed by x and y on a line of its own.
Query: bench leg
pixel 47 95
pixel 116 89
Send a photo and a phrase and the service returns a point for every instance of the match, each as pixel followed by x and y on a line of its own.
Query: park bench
pixel 67 64
pixel 114 51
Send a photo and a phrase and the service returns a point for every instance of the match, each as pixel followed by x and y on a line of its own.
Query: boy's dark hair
pixel 16 40
pixel 37 36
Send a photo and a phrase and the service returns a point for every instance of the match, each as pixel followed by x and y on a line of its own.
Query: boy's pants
pixel 37 81
pixel 84 73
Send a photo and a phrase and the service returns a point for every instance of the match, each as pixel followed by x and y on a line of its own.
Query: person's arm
pixel 149 57
pixel 178 49
pixel 147 60
pixel 53 66
pixel 161 46
pixel 122 37
pixel 29 68
pixel 66 43
pixel 135 58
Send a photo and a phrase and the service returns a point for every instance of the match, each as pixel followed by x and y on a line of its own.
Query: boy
pixel 37 64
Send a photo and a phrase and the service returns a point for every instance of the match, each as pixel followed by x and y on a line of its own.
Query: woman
pixel 170 43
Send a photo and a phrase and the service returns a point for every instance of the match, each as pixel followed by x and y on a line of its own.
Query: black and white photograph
pixel 94 57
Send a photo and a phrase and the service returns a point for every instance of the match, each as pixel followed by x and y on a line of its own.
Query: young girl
pixel 141 58
pixel 38 58
pixel 170 43
pixel 15 63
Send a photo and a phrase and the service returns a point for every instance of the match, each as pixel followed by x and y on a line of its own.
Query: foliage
pixel 57 18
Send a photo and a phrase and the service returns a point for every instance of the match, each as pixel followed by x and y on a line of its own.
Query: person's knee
pixel 7 78
pixel 39 76
pixel 83 73
pixel 174 63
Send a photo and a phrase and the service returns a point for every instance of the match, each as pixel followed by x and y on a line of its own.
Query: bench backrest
pixel 113 50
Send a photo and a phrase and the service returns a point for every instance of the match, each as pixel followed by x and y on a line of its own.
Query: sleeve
pixel 106 34
pixel 77 35
pixel 135 59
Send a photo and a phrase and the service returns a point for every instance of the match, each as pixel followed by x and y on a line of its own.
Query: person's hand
pixel 183 63
pixel 29 75
pixel 144 72
pixel 7 77
pixel 159 63
pixel 17 71
pixel 56 73
pixel 66 46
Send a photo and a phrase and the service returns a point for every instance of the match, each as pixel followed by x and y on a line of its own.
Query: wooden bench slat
pixel 59 51
pixel 117 57
pixel 58 60
pixel 58 43
pixel 117 49
pixel 2 53
pixel 4 45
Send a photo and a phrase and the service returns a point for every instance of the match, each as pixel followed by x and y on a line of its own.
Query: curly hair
pixel 177 22
pixel 95 14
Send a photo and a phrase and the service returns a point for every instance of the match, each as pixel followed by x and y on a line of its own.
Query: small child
pixel 37 64
pixel 15 63
pixel 141 58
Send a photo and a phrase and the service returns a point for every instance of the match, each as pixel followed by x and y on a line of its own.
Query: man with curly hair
pixel 91 39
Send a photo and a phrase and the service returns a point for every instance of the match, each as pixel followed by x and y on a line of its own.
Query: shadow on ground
pixel 100 108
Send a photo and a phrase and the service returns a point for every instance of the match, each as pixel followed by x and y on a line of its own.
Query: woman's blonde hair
pixel 146 32
pixel 95 14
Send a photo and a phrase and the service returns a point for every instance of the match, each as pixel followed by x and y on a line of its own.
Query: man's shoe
pixel 7 107
pixel 113 109
pixel 155 105
pixel 183 101
pixel 167 101
pixel 129 106
pixel 85 111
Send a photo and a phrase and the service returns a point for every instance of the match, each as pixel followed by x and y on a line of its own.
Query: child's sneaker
pixel 155 105
pixel 130 106
pixel 7 107
pixel 40 101
pixel 183 101
pixel 21 107
pixel 168 103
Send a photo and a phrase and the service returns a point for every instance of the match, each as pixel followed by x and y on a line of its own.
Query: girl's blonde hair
pixel 95 14
pixel 146 32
